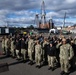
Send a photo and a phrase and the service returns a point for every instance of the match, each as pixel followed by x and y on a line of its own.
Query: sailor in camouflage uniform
pixel 66 54
pixel 7 45
pixel 30 49
pixel 3 45
pixel 45 49
pixel 38 53
pixel 12 47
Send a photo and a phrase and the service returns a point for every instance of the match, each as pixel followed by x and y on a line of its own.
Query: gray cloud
pixel 18 4
pixel 56 8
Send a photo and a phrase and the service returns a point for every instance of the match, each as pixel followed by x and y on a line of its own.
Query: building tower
pixel 37 20
pixel 51 24
pixel 43 14
pixel 40 19
pixel 64 20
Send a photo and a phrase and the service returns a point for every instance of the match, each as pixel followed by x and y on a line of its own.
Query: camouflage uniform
pixel 51 60
pixel 30 49
pixel 3 45
pixel 66 54
pixel 6 47
pixel 45 44
pixel 12 48
pixel 38 53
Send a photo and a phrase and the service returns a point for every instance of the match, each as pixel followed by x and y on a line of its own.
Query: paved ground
pixel 19 68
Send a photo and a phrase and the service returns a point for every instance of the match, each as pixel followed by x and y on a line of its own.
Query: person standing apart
pixel 66 54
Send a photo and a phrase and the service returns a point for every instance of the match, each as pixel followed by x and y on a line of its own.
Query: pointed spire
pixel 43 7
pixel 43 1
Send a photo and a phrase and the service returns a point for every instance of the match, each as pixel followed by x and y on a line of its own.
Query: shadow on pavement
pixel 4 67
pixel 14 63
pixel 4 57
pixel 72 70
pixel 17 62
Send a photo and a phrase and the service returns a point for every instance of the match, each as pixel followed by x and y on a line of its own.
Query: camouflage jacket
pixel 66 52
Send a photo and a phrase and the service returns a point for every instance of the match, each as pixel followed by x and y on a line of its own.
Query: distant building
pixel 42 22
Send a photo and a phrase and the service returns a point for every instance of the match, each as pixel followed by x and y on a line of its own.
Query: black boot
pixel 66 74
pixel 39 67
pixel 31 63
pixel 24 61
pixel 36 66
pixel 49 68
pixel 52 68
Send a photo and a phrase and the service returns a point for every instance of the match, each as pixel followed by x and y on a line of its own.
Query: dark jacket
pixel 18 45
pixel 52 51
pixel 74 49
pixel 23 45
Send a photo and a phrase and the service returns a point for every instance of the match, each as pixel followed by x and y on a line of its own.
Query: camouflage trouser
pixel 30 55
pixel 12 52
pixel 64 65
pixel 3 48
pixel 17 53
pixel 38 59
pixel 51 60
pixel 7 50
pixel 23 52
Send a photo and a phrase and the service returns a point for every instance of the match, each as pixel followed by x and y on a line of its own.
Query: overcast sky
pixel 21 12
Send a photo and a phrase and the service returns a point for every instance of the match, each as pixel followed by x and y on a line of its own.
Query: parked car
pixel 64 32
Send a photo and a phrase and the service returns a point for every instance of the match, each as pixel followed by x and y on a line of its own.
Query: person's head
pixel 41 35
pixel 45 39
pixel 22 39
pixel 51 43
pixel 6 37
pixel 36 37
pixel 64 41
pixel 59 40
pixel 70 37
pixel 29 36
pixel 37 42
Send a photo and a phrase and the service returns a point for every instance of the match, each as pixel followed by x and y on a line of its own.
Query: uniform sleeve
pixel 33 46
pixel 41 51
pixel 71 52
pixel 61 52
